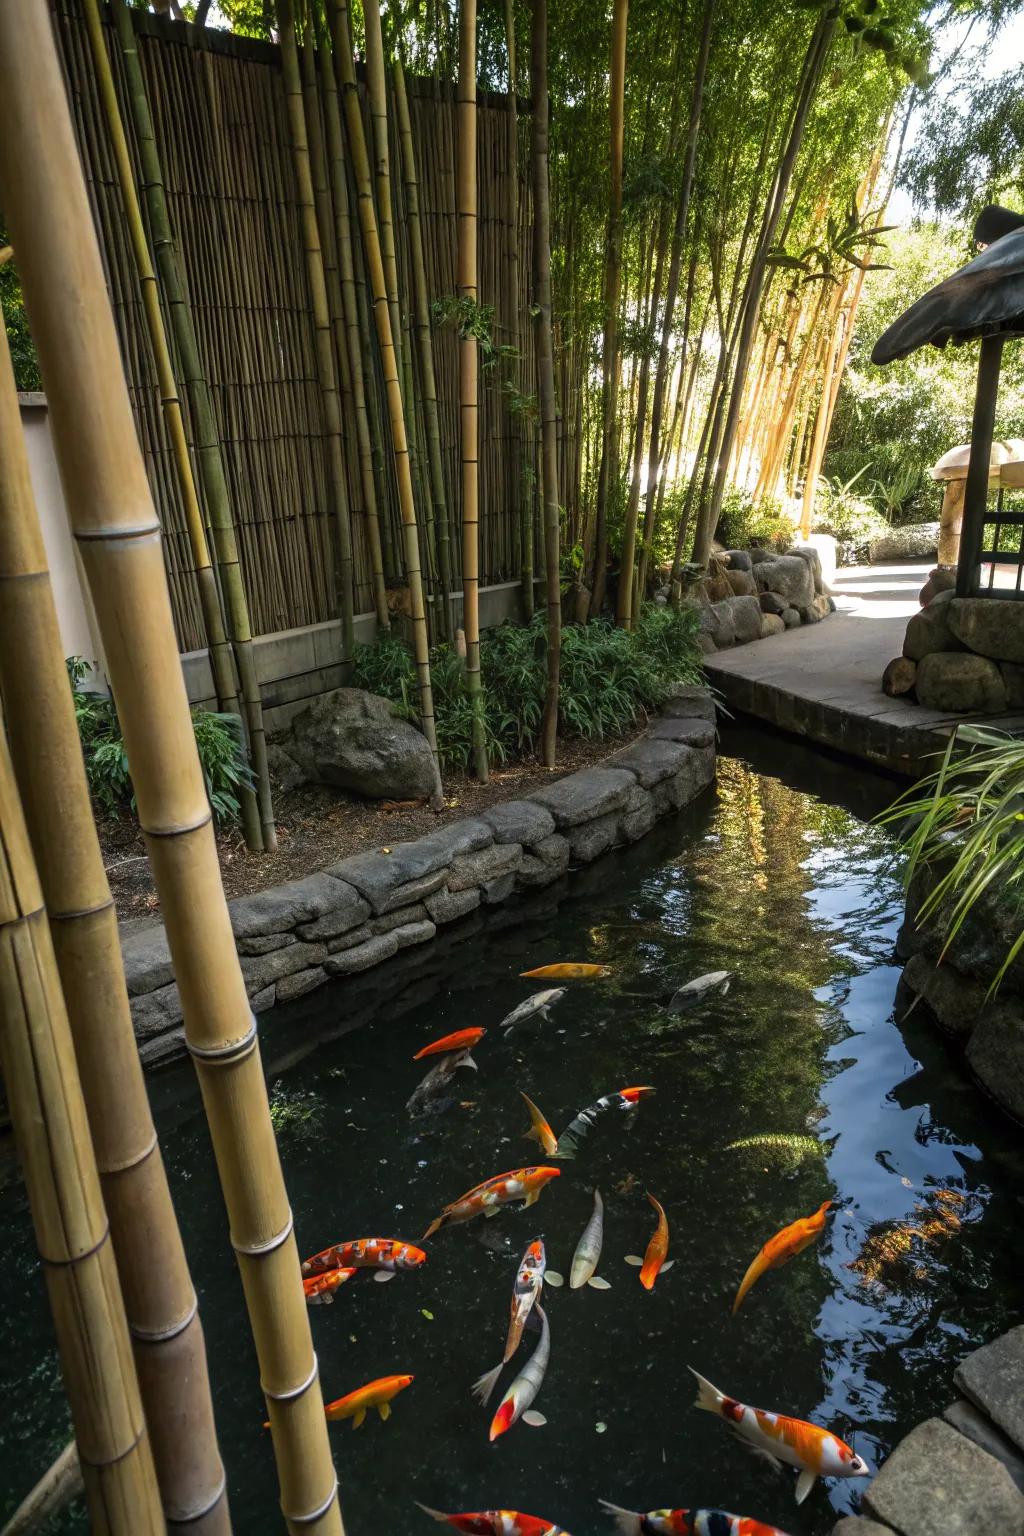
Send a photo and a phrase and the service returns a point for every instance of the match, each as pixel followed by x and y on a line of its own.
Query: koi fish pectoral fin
pixel 635 1260
pixel 531 1199
pixel 382 1276
pixel 804 1483
pixel 491 1210
pixel 667 1265
pixel 384 1409
pixel 534 1419
pixel 597 1284
pixel 360 1419
pixel 552 1277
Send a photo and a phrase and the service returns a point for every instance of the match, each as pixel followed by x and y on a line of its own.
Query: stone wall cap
pixel 993 1378
pixel 585 795
pixel 936 1480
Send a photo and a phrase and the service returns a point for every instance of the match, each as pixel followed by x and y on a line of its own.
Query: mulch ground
pixel 317 827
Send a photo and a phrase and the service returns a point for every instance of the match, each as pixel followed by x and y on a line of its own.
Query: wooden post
pixel 979 468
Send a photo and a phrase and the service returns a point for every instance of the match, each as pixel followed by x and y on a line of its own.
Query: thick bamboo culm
pixel 337 11
pixel 469 375
pixel 221 662
pixel 545 372
pixel 111 514
pixel 325 366
pixel 159 1299
pixel 376 90
pixel 344 235
pixel 207 441
pixel 425 350
pixel 60 1485
pixel 520 437
pixel 56 1155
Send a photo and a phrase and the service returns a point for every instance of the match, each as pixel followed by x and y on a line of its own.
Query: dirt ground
pixel 317 827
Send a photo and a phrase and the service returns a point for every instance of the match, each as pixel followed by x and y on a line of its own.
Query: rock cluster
pixel 364 910
pixel 750 595
pixel 356 741
pixel 914 541
pixel 961 655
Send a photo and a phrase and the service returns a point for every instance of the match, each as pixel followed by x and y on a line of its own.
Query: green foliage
pixel 851 520
pixel 966 823
pixel 610 680
pixel 296 1113
pixel 218 741
pixel 743 525
pixel 829 260
pixel 12 314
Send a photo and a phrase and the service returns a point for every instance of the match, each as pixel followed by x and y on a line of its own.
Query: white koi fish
pixel 515 1404
pixel 528 1286
pixel 714 984
pixel 538 1005
pixel 588 1253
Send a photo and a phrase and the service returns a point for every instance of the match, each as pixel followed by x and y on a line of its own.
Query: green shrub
pixel 218 741
pixel 610 680
pixel 742 524
pixel 852 521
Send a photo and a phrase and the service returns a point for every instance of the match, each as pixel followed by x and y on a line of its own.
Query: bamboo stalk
pixel 111 514
pixel 425 349
pixel 338 24
pixel 520 437
pixel 159 1300
pixel 376 91
pixel 469 376
pixel 545 370
pixel 209 597
pixel 207 440
pixel 321 321
pixel 354 340
pixel 60 1485
pixel 72 1233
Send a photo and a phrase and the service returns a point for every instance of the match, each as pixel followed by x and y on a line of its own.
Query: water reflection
pixel 794 894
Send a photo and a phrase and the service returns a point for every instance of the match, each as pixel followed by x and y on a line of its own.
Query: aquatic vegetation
pixel 296 1113
pixel 779 1149
pixel 892 1253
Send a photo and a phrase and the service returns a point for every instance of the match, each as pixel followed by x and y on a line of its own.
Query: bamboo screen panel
pixel 219 117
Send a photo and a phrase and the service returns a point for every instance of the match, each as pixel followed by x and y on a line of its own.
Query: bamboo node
pixel 161 1335
pixel 117 533
pixel 190 1516
pixel 316 1514
pixel 77 1258
pixel 223 1055
pixel 183 829
pixel 128 1164
pixel 293 1392
pixel 260 1250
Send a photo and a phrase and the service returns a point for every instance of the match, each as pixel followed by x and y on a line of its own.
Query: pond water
pixel 778 877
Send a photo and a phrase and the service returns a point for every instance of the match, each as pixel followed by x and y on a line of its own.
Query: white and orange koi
pixel 497 1522
pixel 384 1254
pixel 817 1452
pixel 486 1199
pixel 320 1289
pixel 528 1287
pixel 516 1403
pixel 626 1100
pixel 686 1522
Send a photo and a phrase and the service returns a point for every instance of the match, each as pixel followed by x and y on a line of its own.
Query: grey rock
pixel 746 618
pixel 416 913
pixel 696 773
pixel 638 817
pixel 899 677
pixel 260 970
pixel 650 759
pixel 995 1053
pixel 584 795
pixel 941 579
pixel 759 556
pixel 1013 677
pixel 383 878
pixel 816 610
pixel 350 940
pixel 266 945
pixel 929 631
pixel 914 541
pixel 791 618
pixel 288 773
pixel 519 821
pixel 147 961
pixel 851 1525
pixel 936 1480
pixel 154 1013
pixel 690 733
pixel 445 906
pixel 284 906
pixel 960 683
pixel 264 1000
pixel 989 627
pixel 718 621
pixel 810 554
pixel 706 643
pixel 291 987
pixel 789 576
pixel 355 741
pixel 162 1048
pixel 977 1427
pixel 362 956
pixel 771 602
pixel 771 624
pixel 742 582
pixel 413 933
pixel 831 603
pixel 475 869
pixel 689 701
pixel 548 861
pixel 465 836
pixel 739 560
pixel 956 1002
pixel 350 911
pixel 592 838
pixel 498 889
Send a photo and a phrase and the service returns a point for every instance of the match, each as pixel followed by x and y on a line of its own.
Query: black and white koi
pixel 627 1100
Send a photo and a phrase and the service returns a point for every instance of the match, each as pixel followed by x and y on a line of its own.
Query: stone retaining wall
pixel 362 911
pixel 964 1473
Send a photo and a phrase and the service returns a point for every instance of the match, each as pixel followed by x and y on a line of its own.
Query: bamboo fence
pixel 221 124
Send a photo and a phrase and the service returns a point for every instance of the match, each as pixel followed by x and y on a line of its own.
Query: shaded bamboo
pixel 545 371
pixel 376 92
pixel 608 470
pixel 337 11
pixel 469 374
pixel 160 1302
pixel 221 663
pixel 521 435
pixel 111 513
pixel 207 439
pixel 325 365
pixel 425 350
pixel 60 1485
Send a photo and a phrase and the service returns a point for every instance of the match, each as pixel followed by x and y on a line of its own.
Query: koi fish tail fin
pixel 626 1520
pixel 708 1397
pixel 754 1273
pixel 435 1226
pixel 486 1384
pixel 466 1060
pixel 435 1514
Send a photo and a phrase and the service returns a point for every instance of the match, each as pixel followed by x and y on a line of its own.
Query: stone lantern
pixel 952 470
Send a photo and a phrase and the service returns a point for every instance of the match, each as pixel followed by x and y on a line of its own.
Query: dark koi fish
pixel 627 1100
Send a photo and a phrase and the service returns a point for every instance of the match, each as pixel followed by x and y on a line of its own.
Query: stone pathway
pixel 823 681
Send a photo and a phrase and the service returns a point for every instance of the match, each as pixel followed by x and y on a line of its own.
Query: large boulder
pixel 739 560
pixel 929 630
pixel 789 576
pixel 937 1480
pixel 941 579
pixel 771 624
pixel 771 602
pixel 746 618
pixel 958 683
pixel 810 554
pixel 989 626
pixel 817 609
pixel 914 541
pixel 718 622
pixel 355 741
pixel 742 582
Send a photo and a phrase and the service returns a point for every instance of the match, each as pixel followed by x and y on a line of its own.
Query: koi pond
pixel 780 878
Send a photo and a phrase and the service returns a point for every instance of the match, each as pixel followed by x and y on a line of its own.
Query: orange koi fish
pixel 627 1100
pixel 785 1245
pixel 528 1286
pixel 686 1522
pixel 497 1522
pixel 567 971
pixel 814 1450
pixel 539 1130
pixel 461 1040
pixel 653 1261
pixel 320 1289
pixel 487 1198
pixel 376 1394
pixel 384 1254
